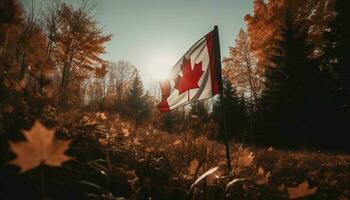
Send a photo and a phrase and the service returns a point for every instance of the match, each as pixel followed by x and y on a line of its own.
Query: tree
pixel 138 103
pixel 121 76
pixel 77 45
pixel 337 56
pixel 241 67
pixel 264 24
pixel 336 61
pixel 235 111
pixel 172 121
pixel 291 98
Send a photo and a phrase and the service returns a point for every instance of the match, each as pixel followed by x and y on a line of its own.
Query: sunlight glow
pixel 159 66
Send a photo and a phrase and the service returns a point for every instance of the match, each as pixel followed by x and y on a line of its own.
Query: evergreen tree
pixel 138 103
pixel 291 96
pixel 337 62
pixel 167 121
pixel 337 54
pixel 199 110
pixel 235 112
pixel 197 117
pixel 173 121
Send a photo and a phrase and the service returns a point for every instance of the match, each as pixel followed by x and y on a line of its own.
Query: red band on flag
pixel 165 88
pixel 210 45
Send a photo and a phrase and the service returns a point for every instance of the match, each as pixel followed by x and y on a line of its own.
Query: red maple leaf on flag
pixel 190 77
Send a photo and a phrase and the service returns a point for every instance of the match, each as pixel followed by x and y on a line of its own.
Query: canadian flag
pixel 196 76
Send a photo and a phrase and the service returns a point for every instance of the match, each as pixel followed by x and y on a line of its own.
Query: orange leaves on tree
pixel 190 77
pixel 40 147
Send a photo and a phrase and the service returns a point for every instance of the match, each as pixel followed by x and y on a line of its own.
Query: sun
pixel 159 66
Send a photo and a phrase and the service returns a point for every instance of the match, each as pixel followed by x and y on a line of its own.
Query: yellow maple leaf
pixel 301 190
pixel 40 147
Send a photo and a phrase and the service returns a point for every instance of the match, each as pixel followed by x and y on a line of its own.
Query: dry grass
pixel 158 165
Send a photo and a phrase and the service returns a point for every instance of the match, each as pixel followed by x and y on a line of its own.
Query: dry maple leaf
pixel 245 158
pixel 40 147
pixel 190 77
pixel 101 115
pixel 177 141
pixel 301 190
pixel 264 177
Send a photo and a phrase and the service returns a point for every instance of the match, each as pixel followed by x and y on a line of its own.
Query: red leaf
pixel 189 79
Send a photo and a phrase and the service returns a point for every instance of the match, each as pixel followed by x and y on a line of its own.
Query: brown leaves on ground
pixel 302 190
pixel 260 173
pixel 40 147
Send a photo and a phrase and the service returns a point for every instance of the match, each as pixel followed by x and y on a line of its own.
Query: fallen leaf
pixel 261 171
pixel 136 141
pixel 246 158
pixel 103 116
pixel 40 147
pixel 125 132
pixel 149 149
pixel 301 190
pixel 264 177
pixel 176 142
pixel 270 149
pixel 86 121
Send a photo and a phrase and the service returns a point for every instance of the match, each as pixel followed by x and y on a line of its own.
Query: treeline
pixel 120 90
pixel 292 68
pixel 45 57
pixel 50 55
pixel 286 79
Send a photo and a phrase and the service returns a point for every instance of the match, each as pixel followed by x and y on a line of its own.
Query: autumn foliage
pixel 76 126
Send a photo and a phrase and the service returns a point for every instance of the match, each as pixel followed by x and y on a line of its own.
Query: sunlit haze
pixel 154 34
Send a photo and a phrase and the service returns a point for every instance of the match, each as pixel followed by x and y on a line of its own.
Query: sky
pixel 154 34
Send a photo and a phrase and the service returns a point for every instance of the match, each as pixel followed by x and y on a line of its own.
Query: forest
pixel 74 125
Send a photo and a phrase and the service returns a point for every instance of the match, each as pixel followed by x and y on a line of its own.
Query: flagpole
pixel 222 110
